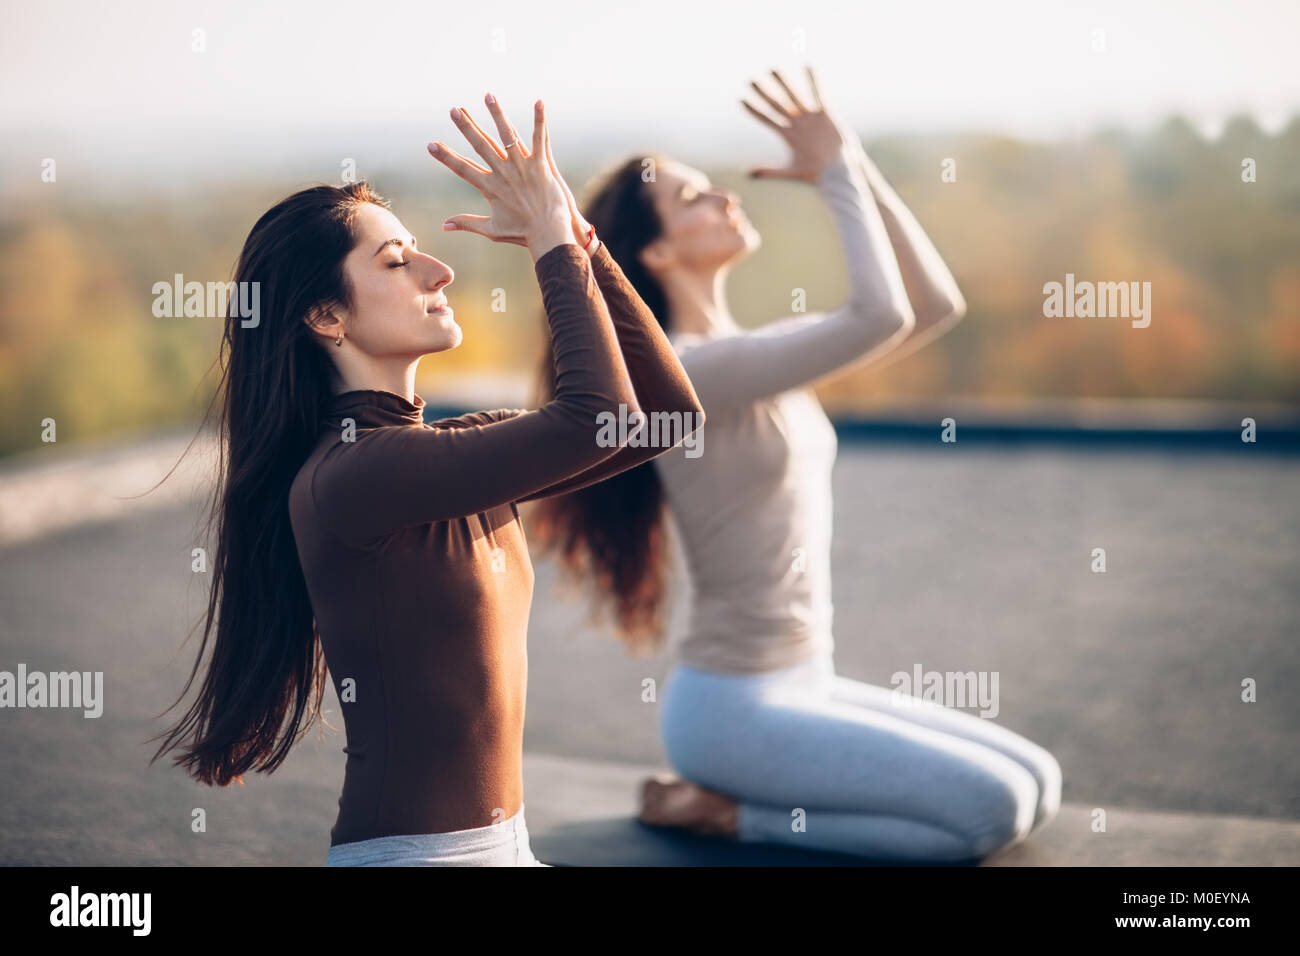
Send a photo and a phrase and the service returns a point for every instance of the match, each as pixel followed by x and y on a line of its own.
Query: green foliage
pixel 79 342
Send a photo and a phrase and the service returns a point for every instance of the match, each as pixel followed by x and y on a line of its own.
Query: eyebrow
pixel 391 242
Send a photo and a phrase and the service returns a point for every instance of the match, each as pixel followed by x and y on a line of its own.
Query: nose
pixel 439 274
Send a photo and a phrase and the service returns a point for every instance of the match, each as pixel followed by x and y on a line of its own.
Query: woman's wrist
pixel 585 234
pixel 834 167
pixel 547 236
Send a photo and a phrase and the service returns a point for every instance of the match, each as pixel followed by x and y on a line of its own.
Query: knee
pixel 1003 808
pixel 1048 774
pixel 695 753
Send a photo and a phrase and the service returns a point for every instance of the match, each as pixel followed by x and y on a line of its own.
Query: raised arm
pixel 936 300
pixel 662 388
pixel 661 385
pixel 658 378
pixel 801 350
pixel 395 477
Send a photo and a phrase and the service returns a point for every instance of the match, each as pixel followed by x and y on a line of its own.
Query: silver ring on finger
pixel 512 143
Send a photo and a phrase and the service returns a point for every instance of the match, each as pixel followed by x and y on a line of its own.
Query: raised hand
pixel 581 228
pixel 529 204
pixel 815 136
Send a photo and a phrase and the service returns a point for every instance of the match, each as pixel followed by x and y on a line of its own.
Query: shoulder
pixel 340 472
pixel 337 462
pixel 340 462
pixel 334 455
pixel 302 488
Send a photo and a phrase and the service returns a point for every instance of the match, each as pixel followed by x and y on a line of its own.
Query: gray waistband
pixel 510 834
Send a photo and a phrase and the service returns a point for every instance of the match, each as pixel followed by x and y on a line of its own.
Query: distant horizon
pixel 187 159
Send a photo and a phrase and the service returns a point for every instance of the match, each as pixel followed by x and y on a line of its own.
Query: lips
pixel 440 307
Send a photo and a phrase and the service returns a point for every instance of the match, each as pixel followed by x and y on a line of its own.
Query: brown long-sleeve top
pixel 418 570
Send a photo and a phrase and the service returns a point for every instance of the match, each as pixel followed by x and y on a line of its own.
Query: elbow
pixel 954 309
pixel 898 322
pixel 692 419
pixel 695 414
pixel 882 325
pixel 958 310
pixel 692 409
pixel 687 416
pixel 943 315
pixel 683 402
pixel 681 417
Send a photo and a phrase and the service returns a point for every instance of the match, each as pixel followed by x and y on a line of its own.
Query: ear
pixel 655 256
pixel 324 320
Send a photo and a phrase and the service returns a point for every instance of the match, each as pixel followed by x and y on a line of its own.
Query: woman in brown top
pixel 398 543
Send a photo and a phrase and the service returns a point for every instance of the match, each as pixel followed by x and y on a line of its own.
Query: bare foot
pixel 671 802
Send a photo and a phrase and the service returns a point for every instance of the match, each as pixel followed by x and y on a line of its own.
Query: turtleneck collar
pixel 375 408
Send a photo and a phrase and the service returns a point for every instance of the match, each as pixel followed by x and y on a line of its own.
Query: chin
pixel 448 340
pixel 741 245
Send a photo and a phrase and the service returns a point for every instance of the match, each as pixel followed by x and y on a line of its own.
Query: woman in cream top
pixel 770 743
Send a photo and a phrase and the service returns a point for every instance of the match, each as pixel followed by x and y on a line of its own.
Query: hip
pixel 498 844
pixel 774 653
pixel 691 686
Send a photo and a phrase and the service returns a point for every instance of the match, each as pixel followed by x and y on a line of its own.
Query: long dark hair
pixel 267 668
pixel 613 535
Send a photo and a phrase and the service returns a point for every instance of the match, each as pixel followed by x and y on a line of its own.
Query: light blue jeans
pixel 819 761
pixel 498 844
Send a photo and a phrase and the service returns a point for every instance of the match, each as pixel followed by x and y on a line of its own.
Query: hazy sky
pixel 126 77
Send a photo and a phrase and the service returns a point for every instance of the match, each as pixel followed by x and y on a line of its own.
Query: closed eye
pixel 398 265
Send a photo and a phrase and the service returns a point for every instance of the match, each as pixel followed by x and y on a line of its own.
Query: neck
pixel 697 301
pixel 359 372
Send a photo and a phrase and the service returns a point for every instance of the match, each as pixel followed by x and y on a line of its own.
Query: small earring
pixel 339 340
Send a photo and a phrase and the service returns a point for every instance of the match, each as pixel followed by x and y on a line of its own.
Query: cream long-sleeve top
pixel 752 511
